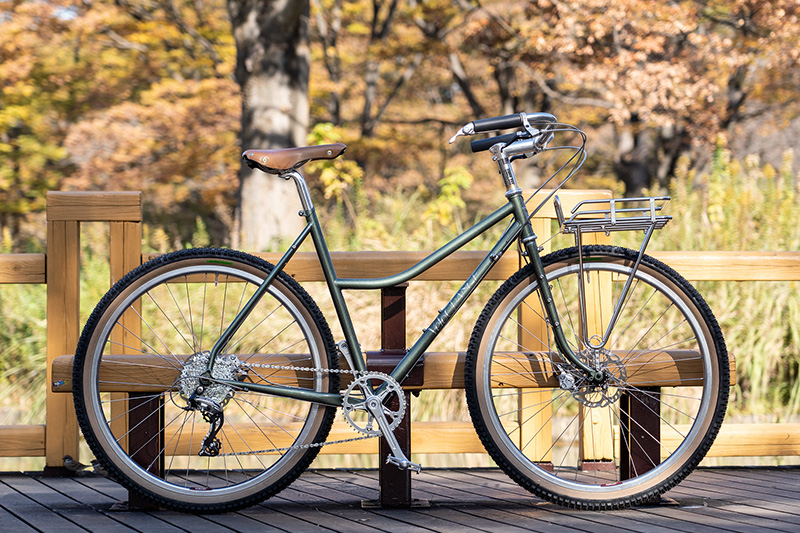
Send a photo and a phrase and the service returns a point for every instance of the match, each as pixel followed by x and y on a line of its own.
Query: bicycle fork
pixel 528 241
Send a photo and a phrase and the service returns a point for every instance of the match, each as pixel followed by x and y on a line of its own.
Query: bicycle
pixel 238 364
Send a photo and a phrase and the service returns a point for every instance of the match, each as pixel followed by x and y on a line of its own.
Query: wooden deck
pixel 731 499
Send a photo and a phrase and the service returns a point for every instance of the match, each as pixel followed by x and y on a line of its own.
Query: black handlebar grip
pixel 484 144
pixel 497 123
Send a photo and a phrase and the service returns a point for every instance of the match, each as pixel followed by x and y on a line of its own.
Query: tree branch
pixel 175 15
pixel 457 68
pixel 573 100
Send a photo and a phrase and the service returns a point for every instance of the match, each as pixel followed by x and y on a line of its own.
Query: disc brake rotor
pixel 606 393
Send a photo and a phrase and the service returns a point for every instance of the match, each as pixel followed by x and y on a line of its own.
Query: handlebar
pixel 484 144
pixel 526 120
pixel 510 121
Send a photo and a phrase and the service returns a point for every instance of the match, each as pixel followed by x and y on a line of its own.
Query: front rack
pixel 621 214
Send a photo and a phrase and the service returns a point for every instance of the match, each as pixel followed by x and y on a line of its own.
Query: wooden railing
pixel 59 269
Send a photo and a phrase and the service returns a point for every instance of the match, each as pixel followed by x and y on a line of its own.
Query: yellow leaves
pixel 175 144
pixel 337 176
pixel 444 208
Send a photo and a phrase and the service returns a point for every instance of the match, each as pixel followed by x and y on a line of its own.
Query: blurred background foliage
pixel 140 95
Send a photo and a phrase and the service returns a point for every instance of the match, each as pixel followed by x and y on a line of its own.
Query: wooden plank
pixel 427 437
pixel 443 370
pixel 35 514
pixel 151 522
pixel 748 440
pixel 22 441
pixel 534 517
pixel 305 266
pixel 305 505
pixel 89 490
pixel 76 512
pixel 94 206
pixel 63 326
pixel 361 484
pixel 446 437
pixel 22 268
pixel 694 266
pixel 734 266
pixel 12 524
pixel 312 487
pixel 738 521
pixel 495 485
pixel 155 373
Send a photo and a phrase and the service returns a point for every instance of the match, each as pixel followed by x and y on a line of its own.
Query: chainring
pixel 356 396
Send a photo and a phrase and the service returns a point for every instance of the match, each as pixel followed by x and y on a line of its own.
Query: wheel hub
pixel 226 367
pixel 592 393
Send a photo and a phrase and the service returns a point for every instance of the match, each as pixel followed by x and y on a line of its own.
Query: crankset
pixel 367 401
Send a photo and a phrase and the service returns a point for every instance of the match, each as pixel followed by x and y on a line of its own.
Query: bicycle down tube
pixel 519 226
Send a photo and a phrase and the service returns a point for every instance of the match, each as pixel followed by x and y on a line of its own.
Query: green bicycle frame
pixel 519 227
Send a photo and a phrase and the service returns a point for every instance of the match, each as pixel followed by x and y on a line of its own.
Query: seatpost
pixel 302 189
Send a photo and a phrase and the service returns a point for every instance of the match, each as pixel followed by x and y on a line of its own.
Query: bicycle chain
pixel 356 373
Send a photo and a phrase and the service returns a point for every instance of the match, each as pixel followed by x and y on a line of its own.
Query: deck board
pixel 715 499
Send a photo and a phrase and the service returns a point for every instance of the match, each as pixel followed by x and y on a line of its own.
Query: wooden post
pixel 395 484
pixel 65 212
pixel 640 432
pixel 63 317
pixel 125 251
pixel 146 441
pixel 535 410
pixel 597 442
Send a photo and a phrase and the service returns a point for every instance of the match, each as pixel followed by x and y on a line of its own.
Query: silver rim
pixel 180 314
pixel 657 316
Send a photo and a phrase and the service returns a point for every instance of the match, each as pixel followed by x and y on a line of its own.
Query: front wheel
pixel 178 437
pixel 602 445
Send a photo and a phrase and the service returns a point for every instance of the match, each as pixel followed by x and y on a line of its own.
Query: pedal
pixel 403 463
pixel 397 457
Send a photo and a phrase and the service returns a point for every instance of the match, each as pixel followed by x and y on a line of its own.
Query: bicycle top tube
pixel 432 259
pixel 524 143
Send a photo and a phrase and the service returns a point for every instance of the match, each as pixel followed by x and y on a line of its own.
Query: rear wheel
pixel 608 445
pixel 147 416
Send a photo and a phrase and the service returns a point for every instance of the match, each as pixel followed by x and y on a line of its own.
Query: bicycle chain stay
pixel 356 373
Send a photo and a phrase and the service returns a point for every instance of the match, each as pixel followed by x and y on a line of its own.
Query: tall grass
pixel 747 206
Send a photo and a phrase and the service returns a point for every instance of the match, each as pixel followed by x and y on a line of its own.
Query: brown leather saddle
pixel 284 160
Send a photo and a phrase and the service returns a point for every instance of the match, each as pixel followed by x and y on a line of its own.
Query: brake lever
pixel 537 133
pixel 467 129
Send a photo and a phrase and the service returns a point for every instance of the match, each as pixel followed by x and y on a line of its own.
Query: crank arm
pixel 397 458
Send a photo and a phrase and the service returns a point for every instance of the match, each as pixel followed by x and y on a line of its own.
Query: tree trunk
pixel 505 74
pixel 634 159
pixel 272 69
